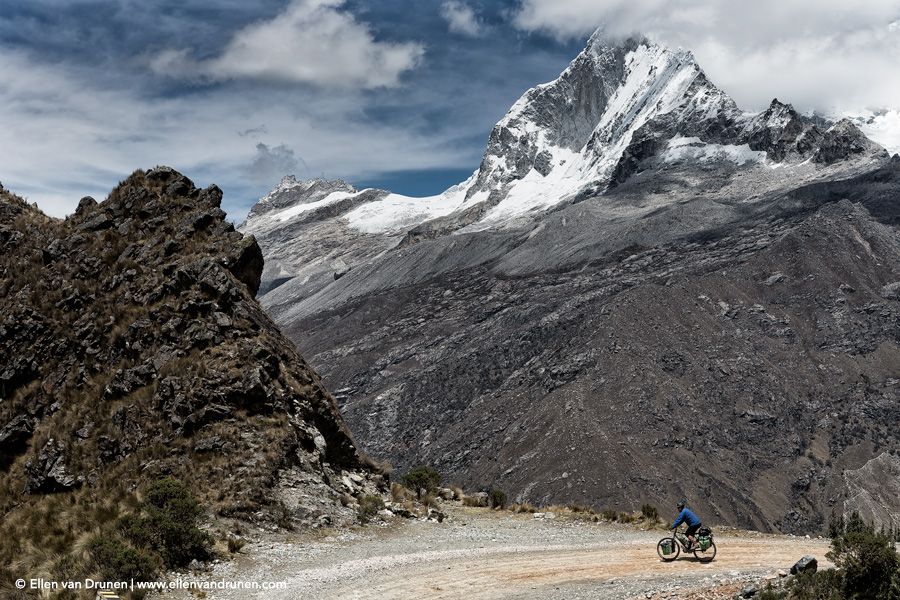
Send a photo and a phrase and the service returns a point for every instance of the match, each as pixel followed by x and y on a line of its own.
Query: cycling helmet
pixel 681 504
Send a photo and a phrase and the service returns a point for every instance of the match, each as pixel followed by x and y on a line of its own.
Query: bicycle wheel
pixel 676 549
pixel 706 555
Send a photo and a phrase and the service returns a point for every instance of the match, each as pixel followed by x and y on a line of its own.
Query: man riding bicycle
pixel 692 520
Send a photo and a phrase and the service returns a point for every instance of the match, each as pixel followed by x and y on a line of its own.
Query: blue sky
pixel 417 134
pixel 400 95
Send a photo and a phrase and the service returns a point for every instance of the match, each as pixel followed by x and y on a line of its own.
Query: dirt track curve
pixel 483 555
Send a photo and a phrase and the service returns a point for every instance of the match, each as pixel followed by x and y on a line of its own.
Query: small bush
pixel 117 561
pixel 867 566
pixel 524 507
pixel 497 499
pixel 167 524
pixel 649 512
pixel 369 506
pixel 609 514
pixel 422 478
pixel 821 585
pixel 771 594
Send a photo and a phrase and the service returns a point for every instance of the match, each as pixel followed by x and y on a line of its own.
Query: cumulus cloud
pixel 311 42
pixel 270 164
pixel 818 54
pixel 461 18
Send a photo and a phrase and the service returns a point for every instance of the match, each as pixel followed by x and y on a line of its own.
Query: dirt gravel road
pixel 479 554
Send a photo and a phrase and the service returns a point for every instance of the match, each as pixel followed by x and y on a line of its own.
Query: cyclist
pixel 685 515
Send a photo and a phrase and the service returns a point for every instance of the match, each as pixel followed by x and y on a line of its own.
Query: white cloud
pixel 817 54
pixel 461 18
pixel 64 138
pixel 312 42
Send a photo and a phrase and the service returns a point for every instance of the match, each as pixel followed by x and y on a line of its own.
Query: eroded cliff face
pixel 132 348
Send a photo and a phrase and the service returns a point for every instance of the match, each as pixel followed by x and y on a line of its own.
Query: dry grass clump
pixel 401 494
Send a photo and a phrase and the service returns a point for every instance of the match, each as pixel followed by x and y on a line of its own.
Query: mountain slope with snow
pixel 881 126
pixel 617 109
pixel 701 300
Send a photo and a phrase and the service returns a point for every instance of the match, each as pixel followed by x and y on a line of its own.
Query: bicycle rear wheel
pixel 706 555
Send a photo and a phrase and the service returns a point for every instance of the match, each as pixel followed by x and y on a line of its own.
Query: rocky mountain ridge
pixel 133 348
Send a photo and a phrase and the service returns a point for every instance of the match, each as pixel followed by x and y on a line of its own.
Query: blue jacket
pixel 688 517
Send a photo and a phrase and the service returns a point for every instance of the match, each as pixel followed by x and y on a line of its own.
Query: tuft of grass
pixel 235 544
pixel 471 501
pixel 610 514
pixel 369 505
pixel 497 499
pixel 400 494
pixel 650 513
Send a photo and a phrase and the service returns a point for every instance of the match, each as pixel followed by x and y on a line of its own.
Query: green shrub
pixel 867 566
pixel 609 514
pixel 423 478
pixel 497 499
pixel 649 512
pixel 821 585
pixel 369 506
pixel 117 561
pixel 167 524
pixel 836 524
pixel 771 593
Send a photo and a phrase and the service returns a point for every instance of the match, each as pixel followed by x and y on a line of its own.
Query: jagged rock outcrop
pixel 872 491
pixel 133 348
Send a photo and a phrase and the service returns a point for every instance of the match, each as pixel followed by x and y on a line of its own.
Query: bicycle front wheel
pixel 674 551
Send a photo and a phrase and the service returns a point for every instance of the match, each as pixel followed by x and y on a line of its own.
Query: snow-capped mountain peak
pixel 292 193
pixel 618 109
